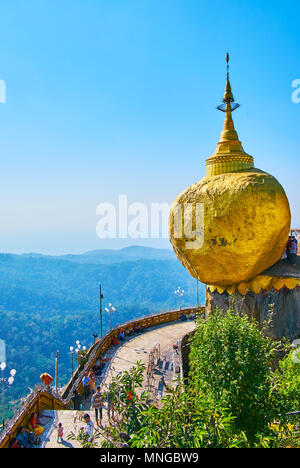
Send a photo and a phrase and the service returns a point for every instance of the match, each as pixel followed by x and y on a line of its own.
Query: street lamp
pixel 56 365
pixel 179 293
pixel 72 354
pixel 109 310
pixel 10 381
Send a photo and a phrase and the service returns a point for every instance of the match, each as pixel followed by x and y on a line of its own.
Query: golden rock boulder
pixel 245 229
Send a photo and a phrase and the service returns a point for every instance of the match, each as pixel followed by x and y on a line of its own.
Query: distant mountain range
pixel 135 276
pixel 108 256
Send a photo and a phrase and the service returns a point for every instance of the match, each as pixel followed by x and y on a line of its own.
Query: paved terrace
pixel 282 269
pixel 122 358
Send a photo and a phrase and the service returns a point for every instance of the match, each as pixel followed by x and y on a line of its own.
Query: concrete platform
pixel 282 269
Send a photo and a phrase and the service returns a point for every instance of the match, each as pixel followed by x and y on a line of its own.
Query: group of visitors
pixel 97 403
pixel 123 333
pixel 99 366
pixel 137 328
pixel 291 250
pixel 115 341
pixel 24 439
pixel 29 436
pixel 185 317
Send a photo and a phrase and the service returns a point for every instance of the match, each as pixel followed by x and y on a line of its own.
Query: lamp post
pixel 101 297
pixel 72 354
pixel 56 366
pixel 3 380
pixel 179 293
pixel 109 310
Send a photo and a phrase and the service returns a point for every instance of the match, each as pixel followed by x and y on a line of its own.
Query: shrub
pixel 230 362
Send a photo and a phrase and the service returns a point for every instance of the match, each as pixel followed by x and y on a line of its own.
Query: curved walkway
pixel 138 349
pixel 122 358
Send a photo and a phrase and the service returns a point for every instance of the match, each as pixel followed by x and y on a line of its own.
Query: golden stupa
pixel 235 222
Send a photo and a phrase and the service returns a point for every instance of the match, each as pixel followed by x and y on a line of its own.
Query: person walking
pixel 60 433
pixel 92 378
pixel 86 386
pixel 97 404
pixel 291 250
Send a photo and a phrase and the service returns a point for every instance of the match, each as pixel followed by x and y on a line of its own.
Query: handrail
pixel 36 400
pixel 102 345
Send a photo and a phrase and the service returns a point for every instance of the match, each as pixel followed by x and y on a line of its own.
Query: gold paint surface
pixel 257 284
pixel 246 226
pixel 229 155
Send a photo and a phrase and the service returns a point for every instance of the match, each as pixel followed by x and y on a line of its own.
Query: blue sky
pixel 118 97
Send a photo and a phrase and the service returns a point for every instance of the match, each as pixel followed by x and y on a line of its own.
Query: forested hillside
pixel 47 303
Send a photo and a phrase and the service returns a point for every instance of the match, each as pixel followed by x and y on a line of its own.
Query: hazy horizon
pixel 51 252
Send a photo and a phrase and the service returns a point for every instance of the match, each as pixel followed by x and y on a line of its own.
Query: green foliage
pixel 186 419
pixel 231 363
pixel 83 438
pixel 82 357
pixel 288 380
pixel 129 404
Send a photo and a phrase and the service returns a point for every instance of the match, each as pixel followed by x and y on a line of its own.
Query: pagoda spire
pixel 228 97
pixel 229 132
pixel 229 155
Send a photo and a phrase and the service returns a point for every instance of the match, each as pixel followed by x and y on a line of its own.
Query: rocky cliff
pixel 280 308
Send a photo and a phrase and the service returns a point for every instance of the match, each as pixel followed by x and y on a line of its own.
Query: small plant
pixel 82 357
pixel 83 439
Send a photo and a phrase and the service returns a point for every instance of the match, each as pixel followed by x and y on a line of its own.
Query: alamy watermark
pixel 2 351
pixel 138 220
pixel 296 93
pixel 2 92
